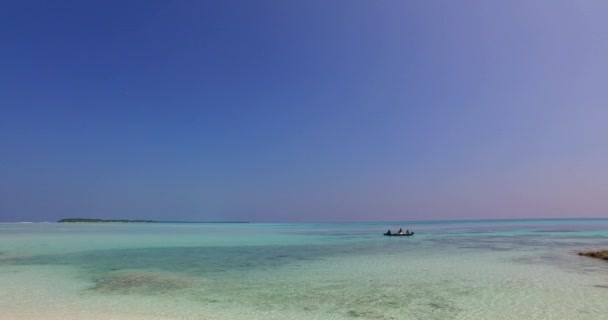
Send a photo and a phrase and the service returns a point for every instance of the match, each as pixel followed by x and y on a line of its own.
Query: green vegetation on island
pixel 100 220
pixel 595 254
pixel 140 221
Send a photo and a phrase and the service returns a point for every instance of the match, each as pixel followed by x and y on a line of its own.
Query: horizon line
pixel 333 222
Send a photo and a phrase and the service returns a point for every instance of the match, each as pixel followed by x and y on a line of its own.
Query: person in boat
pixel 407 231
pixel 400 231
pixel 389 231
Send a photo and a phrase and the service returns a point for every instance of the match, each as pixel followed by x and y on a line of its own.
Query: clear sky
pixel 303 110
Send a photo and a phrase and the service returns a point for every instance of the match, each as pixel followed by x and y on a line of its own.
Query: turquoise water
pixel 510 269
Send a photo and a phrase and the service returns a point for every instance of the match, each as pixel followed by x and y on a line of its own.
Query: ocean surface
pixel 508 269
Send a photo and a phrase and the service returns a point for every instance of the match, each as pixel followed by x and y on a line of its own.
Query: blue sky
pixel 303 110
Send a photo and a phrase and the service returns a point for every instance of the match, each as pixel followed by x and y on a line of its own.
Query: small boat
pixel 399 234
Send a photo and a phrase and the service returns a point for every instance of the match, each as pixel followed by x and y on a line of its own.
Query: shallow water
pixel 449 270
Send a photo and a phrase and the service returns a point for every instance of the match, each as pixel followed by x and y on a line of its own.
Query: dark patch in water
pixel 499 242
pixel 200 261
pixel 353 313
pixel 436 305
pixel 366 314
pixel 601 286
pixel 140 282
pixel 487 248
pixel 536 259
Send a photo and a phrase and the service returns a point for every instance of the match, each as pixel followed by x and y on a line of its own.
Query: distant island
pixel 101 220
pixel 140 221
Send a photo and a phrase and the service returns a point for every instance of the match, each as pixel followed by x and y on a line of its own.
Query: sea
pixel 483 269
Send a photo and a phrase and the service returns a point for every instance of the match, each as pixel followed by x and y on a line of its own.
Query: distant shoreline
pixel 94 220
pixel 102 220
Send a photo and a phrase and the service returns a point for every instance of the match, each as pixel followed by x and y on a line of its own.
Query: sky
pixel 303 111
